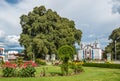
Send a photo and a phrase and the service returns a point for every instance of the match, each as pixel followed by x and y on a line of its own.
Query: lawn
pixel 90 74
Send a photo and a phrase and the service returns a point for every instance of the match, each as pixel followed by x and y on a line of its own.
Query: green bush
pixel 102 65
pixel 40 62
pixel 2 62
pixel 8 72
pixel 9 69
pixel 64 69
pixel 43 72
pixel 19 61
pixel 29 71
pixel 76 67
pixel 65 53
pixel 24 70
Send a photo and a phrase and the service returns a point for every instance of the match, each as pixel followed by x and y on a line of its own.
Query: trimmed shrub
pixel 40 62
pixel 65 53
pixel 102 65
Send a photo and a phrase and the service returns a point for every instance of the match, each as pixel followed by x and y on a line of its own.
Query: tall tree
pixel 115 37
pixel 44 31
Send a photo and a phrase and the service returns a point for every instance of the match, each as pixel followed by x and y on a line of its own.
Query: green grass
pixel 90 74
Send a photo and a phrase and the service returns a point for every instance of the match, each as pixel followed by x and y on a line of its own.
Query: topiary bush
pixel 65 53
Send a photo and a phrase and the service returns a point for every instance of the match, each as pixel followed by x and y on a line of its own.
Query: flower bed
pixel 24 70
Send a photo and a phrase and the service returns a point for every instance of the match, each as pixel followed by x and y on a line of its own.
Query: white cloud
pixel 2 34
pixel 2 45
pixel 116 6
pixel 91 35
pixel 12 39
pixel 91 16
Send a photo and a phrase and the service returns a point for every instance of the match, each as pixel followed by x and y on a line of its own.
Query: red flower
pixel 34 64
pixel 14 65
pixel 28 63
pixel 8 64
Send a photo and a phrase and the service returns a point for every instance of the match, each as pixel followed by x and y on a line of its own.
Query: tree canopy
pixel 44 31
pixel 114 37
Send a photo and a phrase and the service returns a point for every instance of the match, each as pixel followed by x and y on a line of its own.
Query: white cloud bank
pixel 94 17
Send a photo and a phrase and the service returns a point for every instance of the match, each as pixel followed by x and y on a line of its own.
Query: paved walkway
pixel 116 62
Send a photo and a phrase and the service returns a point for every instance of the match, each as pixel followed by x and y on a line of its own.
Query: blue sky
pixel 96 18
pixel 13 1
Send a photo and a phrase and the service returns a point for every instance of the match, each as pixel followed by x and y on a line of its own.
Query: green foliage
pixel 44 72
pixel 108 62
pixel 2 62
pixel 8 72
pixel 64 69
pixel 65 53
pixel 102 65
pixel 9 69
pixel 44 31
pixel 40 62
pixel 115 33
pixel 29 71
pixel 77 67
pixel 115 36
pixel 19 61
pixel 24 70
pixel 90 74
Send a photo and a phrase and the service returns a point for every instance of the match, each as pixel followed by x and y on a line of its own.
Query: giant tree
pixel 44 31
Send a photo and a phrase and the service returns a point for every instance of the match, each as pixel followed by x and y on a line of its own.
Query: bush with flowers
pixel 27 69
pixel 24 70
pixel 76 66
pixel 9 69
pixel 108 62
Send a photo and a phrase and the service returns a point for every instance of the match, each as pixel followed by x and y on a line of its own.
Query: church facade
pixel 90 51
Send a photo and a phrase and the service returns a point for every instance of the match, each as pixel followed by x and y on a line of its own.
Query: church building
pixel 90 51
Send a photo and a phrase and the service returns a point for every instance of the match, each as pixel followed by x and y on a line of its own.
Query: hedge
pixel 102 65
